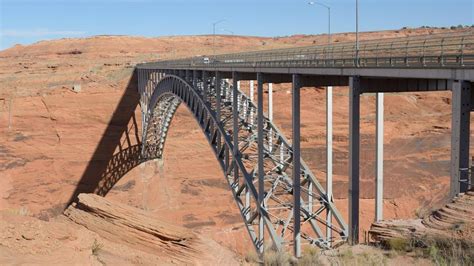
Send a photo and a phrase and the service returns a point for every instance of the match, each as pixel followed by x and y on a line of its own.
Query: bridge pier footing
pixel 460 134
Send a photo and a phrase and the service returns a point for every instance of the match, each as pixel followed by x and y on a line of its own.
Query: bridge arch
pixel 161 96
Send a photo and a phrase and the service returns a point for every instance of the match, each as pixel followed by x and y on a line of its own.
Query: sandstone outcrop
pixel 455 219
pixel 131 226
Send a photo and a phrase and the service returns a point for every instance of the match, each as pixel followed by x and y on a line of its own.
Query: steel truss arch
pixel 163 93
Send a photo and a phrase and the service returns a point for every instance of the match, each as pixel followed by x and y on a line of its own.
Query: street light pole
pixel 228 31
pixel 357 33
pixel 329 137
pixel 214 35
pixel 329 18
pixel 329 25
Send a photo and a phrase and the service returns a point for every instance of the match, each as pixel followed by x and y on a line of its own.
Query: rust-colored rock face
pixel 56 139
pixel 453 221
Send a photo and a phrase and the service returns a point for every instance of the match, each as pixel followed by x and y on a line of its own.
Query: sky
pixel 28 21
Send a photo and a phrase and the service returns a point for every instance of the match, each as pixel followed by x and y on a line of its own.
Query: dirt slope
pixel 98 232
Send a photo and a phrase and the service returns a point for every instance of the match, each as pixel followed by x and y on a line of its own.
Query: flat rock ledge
pixel 455 219
pixel 134 227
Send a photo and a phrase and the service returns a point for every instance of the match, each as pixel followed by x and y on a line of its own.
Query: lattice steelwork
pixel 210 99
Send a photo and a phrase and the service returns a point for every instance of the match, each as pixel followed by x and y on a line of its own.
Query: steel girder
pixel 240 166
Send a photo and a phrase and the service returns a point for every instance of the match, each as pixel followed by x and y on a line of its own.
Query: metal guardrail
pixel 426 51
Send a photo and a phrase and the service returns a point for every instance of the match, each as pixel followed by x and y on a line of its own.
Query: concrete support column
pixel 296 164
pixel 261 170
pixel 270 115
pixel 151 82
pixel 460 133
pixel 251 93
pixel 141 89
pixel 379 157
pixel 195 78
pixel 188 75
pixel 146 80
pixel 218 103
pixel 329 160
pixel 354 144
pixel 224 90
pixel 235 116
pixel 205 85
pixel 239 105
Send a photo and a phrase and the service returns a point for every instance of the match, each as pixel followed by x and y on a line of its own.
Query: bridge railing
pixel 443 50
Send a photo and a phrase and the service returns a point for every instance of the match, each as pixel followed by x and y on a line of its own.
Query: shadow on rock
pixel 118 151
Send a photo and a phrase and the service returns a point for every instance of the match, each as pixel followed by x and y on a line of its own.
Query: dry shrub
pixel 272 257
pixel 96 247
pixel 277 258
pixel 441 250
pixel 373 259
pixel 450 251
pixel 348 258
pixel 310 256
pixel 252 258
pixel 399 244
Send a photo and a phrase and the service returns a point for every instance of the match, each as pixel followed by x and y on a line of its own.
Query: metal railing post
pixel 442 52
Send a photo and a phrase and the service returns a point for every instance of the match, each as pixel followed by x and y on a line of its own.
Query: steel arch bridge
pixel 213 102
pixel 277 195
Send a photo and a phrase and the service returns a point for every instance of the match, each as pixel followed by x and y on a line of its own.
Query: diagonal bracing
pixel 211 102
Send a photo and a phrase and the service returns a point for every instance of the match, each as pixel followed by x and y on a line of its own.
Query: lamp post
pixel 228 31
pixel 329 136
pixel 214 35
pixel 329 17
pixel 357 33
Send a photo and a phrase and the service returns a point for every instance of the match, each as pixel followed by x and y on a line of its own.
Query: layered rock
pixel 455 219
pixel 131 226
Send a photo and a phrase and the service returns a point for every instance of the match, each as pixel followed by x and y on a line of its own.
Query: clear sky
pixel 29 21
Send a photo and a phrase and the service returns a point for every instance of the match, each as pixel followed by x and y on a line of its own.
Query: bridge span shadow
pixel 118 150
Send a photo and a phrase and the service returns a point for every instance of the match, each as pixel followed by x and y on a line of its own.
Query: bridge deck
pixel 441 57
